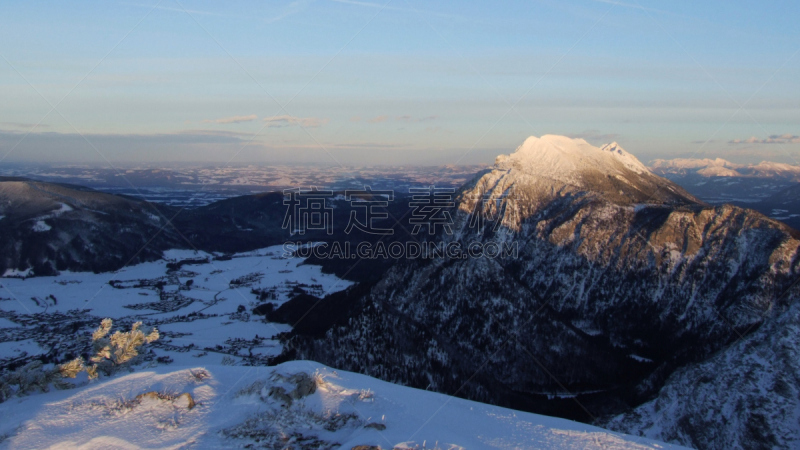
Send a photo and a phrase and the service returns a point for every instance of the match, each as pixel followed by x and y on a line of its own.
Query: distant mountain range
pixel 722 168
pixel 195 186
pixel 767 187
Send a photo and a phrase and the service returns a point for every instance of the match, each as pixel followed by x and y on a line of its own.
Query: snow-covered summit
pixel 566 159
pixel 547 167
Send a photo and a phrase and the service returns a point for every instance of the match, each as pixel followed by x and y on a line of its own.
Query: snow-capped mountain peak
pixel 630 161
pixel 567 159
pixel 551 166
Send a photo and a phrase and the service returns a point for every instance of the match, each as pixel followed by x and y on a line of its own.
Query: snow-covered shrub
pixel 285 420
pixel 111 352
pixel 199 375
pixel 366 395
pixel 31 377
pixel 318 378
pixel 72 368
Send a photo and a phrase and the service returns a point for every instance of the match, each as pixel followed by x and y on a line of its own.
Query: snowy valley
pixel 201 303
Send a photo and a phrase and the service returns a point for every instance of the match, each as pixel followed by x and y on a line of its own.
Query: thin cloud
pixel 219 133
pixel 367 145
pixel 595 135
pixel 181 10
pixel 199 145
pixel 395 8
pixel 290 9
pixel 378 119
pixel 434 130
pixel 630 5
pixel 232 119
pixel 407 118
pixel 25 125
pixel 786 138
pixel 291 144
pixel 404 118
pixel 287 121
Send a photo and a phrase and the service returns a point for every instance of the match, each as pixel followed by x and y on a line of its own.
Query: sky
pixel 352 82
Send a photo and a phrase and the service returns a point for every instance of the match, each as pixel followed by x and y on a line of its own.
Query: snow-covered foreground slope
pixel 298 404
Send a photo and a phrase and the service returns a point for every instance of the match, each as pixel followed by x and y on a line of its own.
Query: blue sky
pixel 398 82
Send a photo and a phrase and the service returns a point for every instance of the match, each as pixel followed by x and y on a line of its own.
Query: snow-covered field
pixel 298 404
pixel 202 308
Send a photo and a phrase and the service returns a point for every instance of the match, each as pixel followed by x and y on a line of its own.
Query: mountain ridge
pixel 617 284
pixel 49 227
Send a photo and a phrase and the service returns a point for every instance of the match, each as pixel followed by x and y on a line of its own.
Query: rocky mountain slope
pixel 621 278
pixel 747 396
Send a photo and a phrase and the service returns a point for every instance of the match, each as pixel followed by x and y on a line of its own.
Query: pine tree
pixel 111 352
